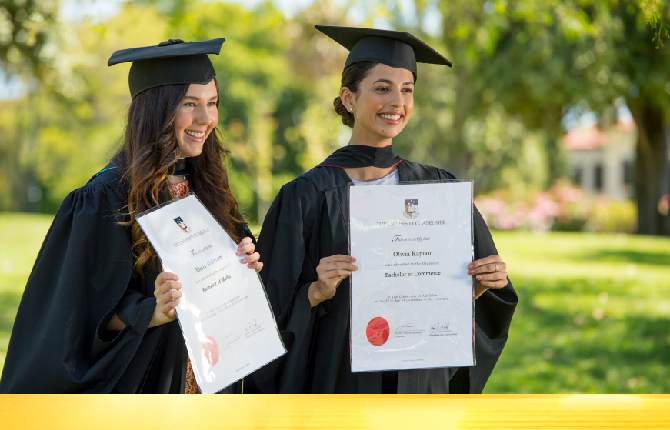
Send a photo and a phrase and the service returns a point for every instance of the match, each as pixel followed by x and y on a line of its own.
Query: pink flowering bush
pixel 561 208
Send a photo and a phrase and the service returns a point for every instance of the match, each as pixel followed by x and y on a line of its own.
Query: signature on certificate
pixel 440 326
pixel 252 328
pixel 408 329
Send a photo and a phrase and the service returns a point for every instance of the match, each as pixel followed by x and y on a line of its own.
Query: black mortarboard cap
pixel 168 63
pixel 393 48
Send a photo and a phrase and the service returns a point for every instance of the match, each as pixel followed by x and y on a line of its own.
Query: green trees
pixel 274 110
pixel 25 27
pixel 525 62
pixel 646 66
pixel 599 51
pixel 494 117
pixel 70 121
pixel 25 30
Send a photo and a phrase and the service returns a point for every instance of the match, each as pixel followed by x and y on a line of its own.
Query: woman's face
pixel 196 118
pixel 383 103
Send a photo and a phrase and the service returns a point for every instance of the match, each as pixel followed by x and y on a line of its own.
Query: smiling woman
pixel 196 118
pixel 386 106
pixel 304 238
pixel 96 315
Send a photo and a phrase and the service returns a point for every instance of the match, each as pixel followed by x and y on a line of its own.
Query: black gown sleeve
pixel 59 342
pixel 244 231
pixel 287 273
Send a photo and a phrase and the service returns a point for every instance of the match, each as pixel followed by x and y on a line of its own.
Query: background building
pixel 601 161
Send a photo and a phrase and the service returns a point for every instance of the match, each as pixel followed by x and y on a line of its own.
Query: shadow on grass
pixel 555 351
pixel 628 256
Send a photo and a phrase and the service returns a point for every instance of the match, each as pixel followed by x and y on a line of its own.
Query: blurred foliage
pixel 613 217
pixel 25 35
pixel 275 77
pixel 535 59
pixel 652 9
pixel 61 138
pixel 495 117
pixel 55 138
pixel 519 66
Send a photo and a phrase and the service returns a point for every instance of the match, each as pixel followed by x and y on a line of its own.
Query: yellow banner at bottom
pixel 73 412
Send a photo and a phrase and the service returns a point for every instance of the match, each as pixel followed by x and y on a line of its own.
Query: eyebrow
pixel 386 81
pixel 196 98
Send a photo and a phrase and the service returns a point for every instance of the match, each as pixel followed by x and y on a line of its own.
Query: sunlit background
pixel 558 110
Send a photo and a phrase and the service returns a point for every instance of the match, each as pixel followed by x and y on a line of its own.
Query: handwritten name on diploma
pixel 412 254
pixel 199 269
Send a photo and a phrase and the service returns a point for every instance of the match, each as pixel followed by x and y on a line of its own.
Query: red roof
pixel 582 139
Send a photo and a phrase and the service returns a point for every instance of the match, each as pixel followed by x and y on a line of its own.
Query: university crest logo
pixel 182 225
pixel 411 208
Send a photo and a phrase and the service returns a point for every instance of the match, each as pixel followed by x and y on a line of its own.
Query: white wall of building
pixel 617 150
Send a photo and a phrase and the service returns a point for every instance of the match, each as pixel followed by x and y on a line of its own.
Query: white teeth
pixel 391 117
pixel 194 134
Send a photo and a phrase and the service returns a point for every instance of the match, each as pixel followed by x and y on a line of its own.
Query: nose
pixel 202 116
pixel 397 99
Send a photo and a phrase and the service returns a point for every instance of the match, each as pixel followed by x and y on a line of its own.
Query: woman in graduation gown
pixel 96 315
pixel 304 239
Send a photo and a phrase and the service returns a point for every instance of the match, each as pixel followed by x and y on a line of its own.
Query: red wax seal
pixel 377 331
pixel 210 350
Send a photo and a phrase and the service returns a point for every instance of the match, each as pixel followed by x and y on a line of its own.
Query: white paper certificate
pixel 412 297
pixel 224 313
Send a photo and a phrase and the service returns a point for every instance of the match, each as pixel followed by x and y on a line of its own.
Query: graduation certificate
pixel 412 297
pixel 223 312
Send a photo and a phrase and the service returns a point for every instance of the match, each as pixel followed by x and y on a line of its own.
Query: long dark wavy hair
pixel 150 149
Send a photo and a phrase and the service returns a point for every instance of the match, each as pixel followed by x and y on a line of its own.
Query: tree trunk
pixel 665 184
pixel 649 168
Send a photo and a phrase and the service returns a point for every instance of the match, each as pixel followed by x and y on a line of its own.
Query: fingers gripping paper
pixel 412 297
pixel 223 313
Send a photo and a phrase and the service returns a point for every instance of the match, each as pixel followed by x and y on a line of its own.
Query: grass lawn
pixel 593 315
pixel 21 236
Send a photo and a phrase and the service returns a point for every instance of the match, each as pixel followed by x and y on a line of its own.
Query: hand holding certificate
pixel 223 312
pixel 412 297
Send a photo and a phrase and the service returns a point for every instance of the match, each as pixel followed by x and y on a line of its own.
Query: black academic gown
pixel 82 276
pixel 308 221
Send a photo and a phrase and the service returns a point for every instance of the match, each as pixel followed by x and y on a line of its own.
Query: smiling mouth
pixel 391 117
pixel 195 134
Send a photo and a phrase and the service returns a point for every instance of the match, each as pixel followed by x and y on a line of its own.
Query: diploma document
pixel 223 312
pixel 412 297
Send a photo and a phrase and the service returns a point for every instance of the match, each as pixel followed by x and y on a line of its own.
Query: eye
pixel 408 90
pixel 189 104
pixel 381 89
pixel 211 104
